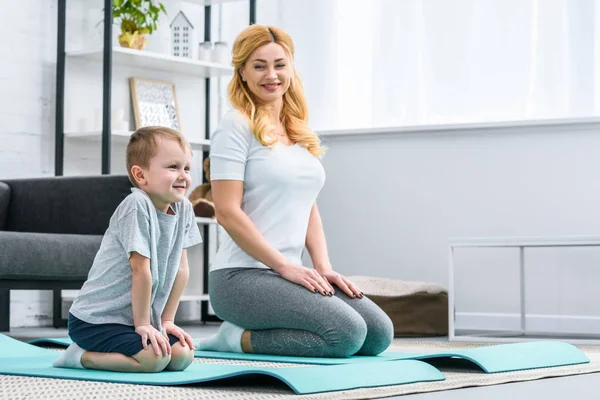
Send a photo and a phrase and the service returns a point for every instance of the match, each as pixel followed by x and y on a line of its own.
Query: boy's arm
pixel 141 289
pixel 141 293
pixel 176 291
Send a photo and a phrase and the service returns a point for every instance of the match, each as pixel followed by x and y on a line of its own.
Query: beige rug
pixel 13 387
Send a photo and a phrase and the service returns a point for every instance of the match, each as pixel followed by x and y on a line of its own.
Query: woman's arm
pixel 317 248
pixel 316 243
pixel 227 195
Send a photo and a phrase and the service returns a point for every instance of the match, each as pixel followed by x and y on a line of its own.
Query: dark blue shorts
pixel 107 338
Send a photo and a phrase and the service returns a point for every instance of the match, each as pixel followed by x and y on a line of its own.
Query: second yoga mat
pixel 491 359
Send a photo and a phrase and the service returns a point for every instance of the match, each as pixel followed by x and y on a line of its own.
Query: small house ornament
pixel 181 36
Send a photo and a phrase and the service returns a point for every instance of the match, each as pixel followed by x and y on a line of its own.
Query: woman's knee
pixel 151 362
pixel 181 357
pixel 348 338
pixel 380 336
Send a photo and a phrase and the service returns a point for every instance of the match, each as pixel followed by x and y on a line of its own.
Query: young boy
pixel 122 319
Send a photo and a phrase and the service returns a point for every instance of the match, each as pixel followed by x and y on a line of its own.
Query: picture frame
pixel 154 103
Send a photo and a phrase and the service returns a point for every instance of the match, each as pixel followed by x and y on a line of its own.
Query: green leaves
pixel 138 15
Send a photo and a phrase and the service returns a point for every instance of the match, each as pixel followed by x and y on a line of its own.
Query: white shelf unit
pixel 157 62
pixel 149 61
pixel 122 137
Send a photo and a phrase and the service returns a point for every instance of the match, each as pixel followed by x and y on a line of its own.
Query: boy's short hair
pixel 142 146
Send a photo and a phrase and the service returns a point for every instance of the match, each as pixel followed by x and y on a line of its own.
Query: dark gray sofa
pixel 50 231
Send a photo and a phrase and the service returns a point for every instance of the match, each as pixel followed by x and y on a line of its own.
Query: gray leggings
pixel 287 319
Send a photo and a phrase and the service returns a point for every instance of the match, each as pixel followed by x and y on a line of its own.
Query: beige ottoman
pixel 415 308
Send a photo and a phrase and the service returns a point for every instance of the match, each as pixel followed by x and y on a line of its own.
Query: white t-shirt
pixel 281 184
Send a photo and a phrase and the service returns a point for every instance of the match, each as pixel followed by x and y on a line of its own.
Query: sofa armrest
pixel 4 201
pixel 75 205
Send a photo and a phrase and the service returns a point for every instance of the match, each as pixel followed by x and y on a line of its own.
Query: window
pixel 412 62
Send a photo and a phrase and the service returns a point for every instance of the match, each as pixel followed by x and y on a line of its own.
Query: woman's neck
pixel 275 110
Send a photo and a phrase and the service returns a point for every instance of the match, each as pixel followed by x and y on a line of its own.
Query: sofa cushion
pixel 415 308
pixel 4 200
pixel 71 205
pixel 42 256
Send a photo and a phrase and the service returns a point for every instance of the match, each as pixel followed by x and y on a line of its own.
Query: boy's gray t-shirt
pixel 138 226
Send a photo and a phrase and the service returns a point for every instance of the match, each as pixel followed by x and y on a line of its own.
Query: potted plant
pixel 137 19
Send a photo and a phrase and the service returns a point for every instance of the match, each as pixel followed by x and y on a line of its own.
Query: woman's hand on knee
pixel 344 284
pixel 307 277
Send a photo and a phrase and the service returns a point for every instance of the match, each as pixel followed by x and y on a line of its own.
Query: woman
pixel 265 176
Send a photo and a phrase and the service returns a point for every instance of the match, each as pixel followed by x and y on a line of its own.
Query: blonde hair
pixel 294 111
pixel 142 146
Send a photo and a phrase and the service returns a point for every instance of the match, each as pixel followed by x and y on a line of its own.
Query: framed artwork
pixel 154 103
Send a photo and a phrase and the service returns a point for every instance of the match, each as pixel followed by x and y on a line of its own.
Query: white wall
pixel 27 114
pixel 26 79
pixel 391 201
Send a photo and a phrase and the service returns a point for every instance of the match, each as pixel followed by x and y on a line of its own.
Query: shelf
pixel 206 221
pixel 69 295
pixel 212 2
pixel 194 297
pixel 157 61
pixel 123 137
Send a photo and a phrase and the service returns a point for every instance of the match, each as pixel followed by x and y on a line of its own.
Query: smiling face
pixel 167 177
pixel 267 73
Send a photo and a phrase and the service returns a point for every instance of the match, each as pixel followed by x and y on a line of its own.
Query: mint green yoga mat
pixel 491 359
pixel 18 358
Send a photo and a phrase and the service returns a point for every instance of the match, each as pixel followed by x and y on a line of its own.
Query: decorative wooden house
pixel 181 36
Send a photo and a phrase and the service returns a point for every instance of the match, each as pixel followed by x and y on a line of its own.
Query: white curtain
pixel 411 62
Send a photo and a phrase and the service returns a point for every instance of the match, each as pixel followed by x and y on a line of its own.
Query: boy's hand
pixel 157 339
pixel 169 327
